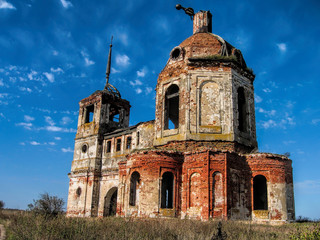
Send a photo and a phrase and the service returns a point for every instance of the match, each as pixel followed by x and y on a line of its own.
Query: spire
pixel 108 64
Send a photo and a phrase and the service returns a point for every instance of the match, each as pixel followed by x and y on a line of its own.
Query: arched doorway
pixel 167 190
pixel 110 202
pixel 260 193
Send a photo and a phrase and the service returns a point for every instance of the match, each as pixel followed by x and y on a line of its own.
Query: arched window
pixel 171 113
pixel 134 181
pixel 242 109
pixel 167 190
pixel 260 193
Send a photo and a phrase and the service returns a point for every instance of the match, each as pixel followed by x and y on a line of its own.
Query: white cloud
pixel 32 74
pixel 28 118
pixel 52 143
pixel 34 143
pixel 66 120
pixel 122 60
pixel 56 70
pixel 24 89
pixel 49 120
pixel 315 121
pixel 5 5
pixel 136 83
pixel 49 76
pixel 268 124
pixel 123 37
pixel 66 4
pixel 282 47
pixel 310 186
pixel 138 90
pixel 22 143
pixel 65 150
pixel 88 62
pixel 290 104
pixel 148 90
pixel 58 129
pixel 257 99
pixel 1 82
pixel 283 123
pixel 55 53
pixel 57 138
pixel 25 125
pixel 266 90
pixel 142 72
pixel 289 142
pixel 268 113
pixel 113 70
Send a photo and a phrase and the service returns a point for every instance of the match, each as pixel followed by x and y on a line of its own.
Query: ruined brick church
pixel 198 159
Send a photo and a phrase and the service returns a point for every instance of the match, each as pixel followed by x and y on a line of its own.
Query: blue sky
pixel 53 53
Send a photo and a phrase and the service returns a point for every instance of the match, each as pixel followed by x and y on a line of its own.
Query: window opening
pixel 108 146
pixel 260 193
pixel 128 145
pixel 175 53
pixel 89 114
pixel 114 114
pixel 84 148
pixel 134 181
pixel 167 190
pixel 118 146
pixel 242 110
pixel 172 108
pixel 138 138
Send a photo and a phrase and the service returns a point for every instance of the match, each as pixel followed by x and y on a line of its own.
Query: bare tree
pixel 48 205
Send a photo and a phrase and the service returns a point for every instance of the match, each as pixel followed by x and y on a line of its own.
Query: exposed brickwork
pixel 201 166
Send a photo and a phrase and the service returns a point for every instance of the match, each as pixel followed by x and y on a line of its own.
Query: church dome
pixel 207 45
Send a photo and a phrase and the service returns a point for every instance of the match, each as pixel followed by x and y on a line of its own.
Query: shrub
pixel 47 205
pixel 1 204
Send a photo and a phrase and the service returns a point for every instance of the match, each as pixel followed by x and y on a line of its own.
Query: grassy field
pixel 35 227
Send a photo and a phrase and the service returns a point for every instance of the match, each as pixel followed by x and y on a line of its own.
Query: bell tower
pixel 205 92
pixel 102 112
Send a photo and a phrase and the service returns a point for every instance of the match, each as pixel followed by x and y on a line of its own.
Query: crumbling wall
pixel 151 165
pixel 278 172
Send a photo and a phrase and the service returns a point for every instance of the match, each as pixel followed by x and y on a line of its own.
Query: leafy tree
pixel 47 205
pixel 1 204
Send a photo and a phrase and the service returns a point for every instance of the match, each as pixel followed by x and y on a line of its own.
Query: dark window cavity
pixel 114 114
pixel 242 109
pixel 110 202
pixel 171 114
pixel 138 138
pixel 118 145
pixel 128 145
pixel 84 148
pixel 176 52
pixel 134 181
pixel 89 114
pixel 78 192
pixel 108 146
pixel 167 190
pixel 260 193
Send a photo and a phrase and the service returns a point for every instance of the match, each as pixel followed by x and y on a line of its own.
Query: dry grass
pixel 36 227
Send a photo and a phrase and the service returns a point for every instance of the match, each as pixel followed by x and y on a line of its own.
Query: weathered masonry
pixel 197 159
